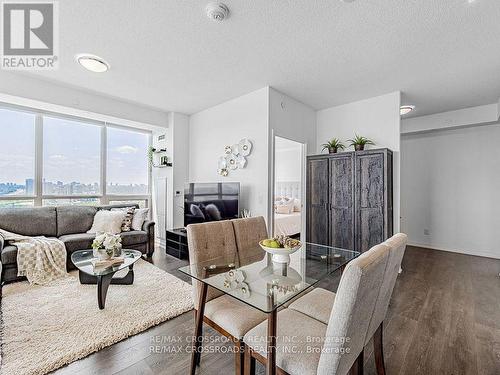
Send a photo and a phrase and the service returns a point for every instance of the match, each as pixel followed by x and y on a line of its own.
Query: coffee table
pixel 87 274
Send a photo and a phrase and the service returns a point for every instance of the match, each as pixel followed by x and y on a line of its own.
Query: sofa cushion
pixel 133 237
pixel 80 241
pixel 38 221
pixel 9 255
pixel 74 219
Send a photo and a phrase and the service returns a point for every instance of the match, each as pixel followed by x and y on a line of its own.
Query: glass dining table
pixel 258 281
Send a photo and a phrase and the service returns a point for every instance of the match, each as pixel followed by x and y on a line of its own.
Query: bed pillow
pixel 107 222
pixel 284 206
pixel 140 216
pixel 282 209
pixel 296 205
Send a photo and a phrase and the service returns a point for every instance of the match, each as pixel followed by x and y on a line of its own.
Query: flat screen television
pixel 215 201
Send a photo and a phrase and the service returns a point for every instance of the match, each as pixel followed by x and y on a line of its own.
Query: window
pixel 127 162
pixel 16 203
pixel 17 153
pixel 52 160
pixel 141 203
pixel 71 157
pixel 71 202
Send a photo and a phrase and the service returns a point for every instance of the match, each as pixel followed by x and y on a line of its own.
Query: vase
pixel 103 254
pixel 332 150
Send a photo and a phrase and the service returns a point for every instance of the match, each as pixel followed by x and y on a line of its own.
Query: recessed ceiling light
pixel 92 62
pixel 405 109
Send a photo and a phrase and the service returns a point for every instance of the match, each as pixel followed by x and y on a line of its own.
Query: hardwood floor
pixel 444 318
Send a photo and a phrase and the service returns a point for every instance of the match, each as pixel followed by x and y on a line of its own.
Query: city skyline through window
pixel 71 165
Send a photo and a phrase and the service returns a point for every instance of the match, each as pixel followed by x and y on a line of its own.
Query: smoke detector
pixel 217 11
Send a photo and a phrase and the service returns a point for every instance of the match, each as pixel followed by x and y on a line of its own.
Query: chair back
pixel 207 241
pixel 397 245
pixel 352 310
pixel 248 233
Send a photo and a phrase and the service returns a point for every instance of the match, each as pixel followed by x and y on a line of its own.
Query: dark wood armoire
pixel 349 199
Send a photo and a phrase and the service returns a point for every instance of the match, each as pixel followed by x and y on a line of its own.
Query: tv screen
pixel 216 201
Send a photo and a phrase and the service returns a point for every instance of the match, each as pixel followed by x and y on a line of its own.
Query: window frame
pixel 103 197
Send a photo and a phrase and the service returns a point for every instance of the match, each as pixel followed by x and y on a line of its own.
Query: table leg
pixel 102 289
pixel 198 330
pixel 271 343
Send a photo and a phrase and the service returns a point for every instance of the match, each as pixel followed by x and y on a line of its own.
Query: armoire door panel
pixel 370 228
pixel 369 199
pixel 317 201
pixel 370 180
pixel 342 201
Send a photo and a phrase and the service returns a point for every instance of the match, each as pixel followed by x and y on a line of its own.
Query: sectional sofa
pixel 69 224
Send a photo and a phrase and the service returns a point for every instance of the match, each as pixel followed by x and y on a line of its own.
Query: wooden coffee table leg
pixel 271 343
pixel 198 330
pixel 102 289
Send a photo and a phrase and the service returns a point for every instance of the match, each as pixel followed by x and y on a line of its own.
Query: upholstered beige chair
pixel 318 303
pixel 308 346
pixel 225 314
pixel 248 232
pixel 397 244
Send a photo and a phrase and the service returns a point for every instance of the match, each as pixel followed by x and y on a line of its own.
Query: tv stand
pixel 176 244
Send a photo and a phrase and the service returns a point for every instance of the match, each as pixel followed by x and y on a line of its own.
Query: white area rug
pixel 47 327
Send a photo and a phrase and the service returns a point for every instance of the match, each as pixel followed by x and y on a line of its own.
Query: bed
pixel 288 224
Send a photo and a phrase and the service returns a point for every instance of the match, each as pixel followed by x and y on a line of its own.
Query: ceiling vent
pixel 217 11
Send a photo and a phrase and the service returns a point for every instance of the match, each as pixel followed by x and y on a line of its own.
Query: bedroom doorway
pixel 289 164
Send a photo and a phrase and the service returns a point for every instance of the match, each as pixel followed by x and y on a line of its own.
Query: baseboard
pixel 485 254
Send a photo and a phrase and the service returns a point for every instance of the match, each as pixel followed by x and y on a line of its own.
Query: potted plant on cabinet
pixel 360 142
pixel 333 145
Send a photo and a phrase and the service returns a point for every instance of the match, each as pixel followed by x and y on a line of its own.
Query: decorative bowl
pixel 280 254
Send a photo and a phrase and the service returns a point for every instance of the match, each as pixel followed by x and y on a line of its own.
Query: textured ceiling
pixel 442 54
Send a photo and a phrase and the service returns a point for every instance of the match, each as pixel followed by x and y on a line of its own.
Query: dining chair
pixel 397 245
pixel 305 345
pixel 319 302
pixel 248 232
pixel 228 316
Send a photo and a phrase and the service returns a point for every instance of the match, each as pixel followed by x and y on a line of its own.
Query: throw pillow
pixel 140 216
pixel 107 222
pixel 212 211
pixel 196 211
pixel 127 220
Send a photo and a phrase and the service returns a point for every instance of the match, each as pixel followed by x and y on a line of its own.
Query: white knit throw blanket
pixel 40 259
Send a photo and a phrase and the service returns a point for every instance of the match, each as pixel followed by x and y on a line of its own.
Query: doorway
pixel 288 197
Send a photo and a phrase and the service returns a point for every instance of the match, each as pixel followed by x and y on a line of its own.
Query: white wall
pixel 176 143
pixel 473 116
pixel 376 118
pixel 27 87
pixel 291 119
pixel 450 185
pixel 225 124
pixel 288 163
